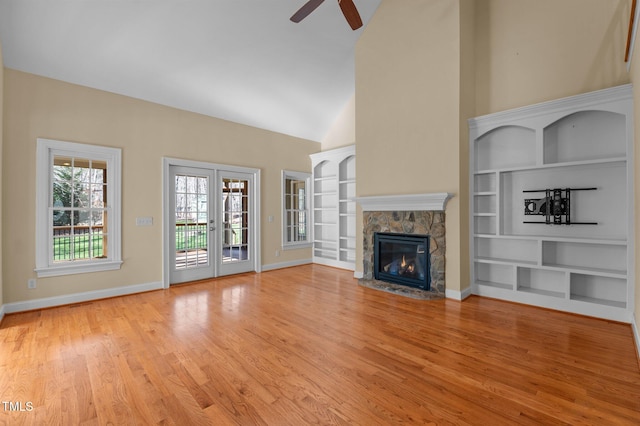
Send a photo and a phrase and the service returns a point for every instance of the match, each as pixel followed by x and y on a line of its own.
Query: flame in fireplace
pixel 406 267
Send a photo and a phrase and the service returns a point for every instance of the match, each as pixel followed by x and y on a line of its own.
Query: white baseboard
pixel 636 335
pixel 280 265
pixel 457 295
pixel 49 302
pixel 358 274
pixel 1 312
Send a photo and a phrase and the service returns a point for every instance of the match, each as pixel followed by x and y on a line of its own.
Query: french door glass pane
pixel 235 219
pixel 191 215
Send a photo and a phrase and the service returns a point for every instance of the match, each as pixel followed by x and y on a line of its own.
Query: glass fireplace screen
pixel 402 259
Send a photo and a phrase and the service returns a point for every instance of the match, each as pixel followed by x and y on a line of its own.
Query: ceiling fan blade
pixel 305 10
pixel 350 13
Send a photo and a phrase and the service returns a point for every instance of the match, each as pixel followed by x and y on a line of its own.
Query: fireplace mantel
pixel 427 202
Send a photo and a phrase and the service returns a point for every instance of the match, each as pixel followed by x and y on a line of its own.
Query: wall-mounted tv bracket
pixel 555 206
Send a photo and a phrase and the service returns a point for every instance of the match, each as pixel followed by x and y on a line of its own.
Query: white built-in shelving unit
pixel 334 208
pixel 577 142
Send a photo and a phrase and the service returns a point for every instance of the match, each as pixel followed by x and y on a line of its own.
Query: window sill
pixel 83 268
pixel 297 246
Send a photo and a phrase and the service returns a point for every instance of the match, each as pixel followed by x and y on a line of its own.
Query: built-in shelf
pixel 505 261
pixel 582 141
pixel 622 242
pixel 334 218
pixel 554 165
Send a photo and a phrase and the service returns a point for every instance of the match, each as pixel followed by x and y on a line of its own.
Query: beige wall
pixel 343 130
pixel 408 110
pixel 533 51
pixel 467 109
pixel 40 107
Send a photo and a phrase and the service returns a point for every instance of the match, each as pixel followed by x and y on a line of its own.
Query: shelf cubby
pixel 494 275
pixel 599 290
pixel 599 258
pixel 484 203
pixel 585 135
pixel 542 281
pixel 485 183
pixel 506 146
pixel 507 250
pixel 485 225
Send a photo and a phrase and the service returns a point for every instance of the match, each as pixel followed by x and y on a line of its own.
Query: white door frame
pixel 254 220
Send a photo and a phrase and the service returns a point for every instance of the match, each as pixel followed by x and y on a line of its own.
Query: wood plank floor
pixel 307 345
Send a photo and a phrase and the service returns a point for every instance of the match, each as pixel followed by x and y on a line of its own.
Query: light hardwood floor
pixel 307 345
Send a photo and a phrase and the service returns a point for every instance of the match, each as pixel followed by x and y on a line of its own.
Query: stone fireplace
pixel 420 214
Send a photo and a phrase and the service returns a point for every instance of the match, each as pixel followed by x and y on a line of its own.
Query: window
pixel 78 208
pixel 295 208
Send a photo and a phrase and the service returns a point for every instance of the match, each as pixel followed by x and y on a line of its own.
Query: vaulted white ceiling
pixel 239 60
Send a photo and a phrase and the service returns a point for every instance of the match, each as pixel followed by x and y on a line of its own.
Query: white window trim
pixel 45 149
pixel 286 245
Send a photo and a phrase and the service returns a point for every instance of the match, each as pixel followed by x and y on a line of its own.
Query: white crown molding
pixel 431 201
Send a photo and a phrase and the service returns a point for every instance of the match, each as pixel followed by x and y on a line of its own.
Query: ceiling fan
pixel 348 10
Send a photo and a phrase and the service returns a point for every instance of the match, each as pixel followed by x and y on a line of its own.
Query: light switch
pixel 144 221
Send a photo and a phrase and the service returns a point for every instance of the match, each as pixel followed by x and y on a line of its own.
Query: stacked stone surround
pixel 408 222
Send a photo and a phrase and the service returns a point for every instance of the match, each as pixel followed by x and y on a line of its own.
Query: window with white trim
pixel 78 217
pixel 295 209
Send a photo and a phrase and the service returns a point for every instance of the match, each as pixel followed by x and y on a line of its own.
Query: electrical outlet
pixel 31 283
pixel 277 253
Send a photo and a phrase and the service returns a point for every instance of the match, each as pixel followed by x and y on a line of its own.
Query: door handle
pixel 213 228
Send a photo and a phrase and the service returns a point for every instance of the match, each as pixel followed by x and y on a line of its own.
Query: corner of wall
pixel 1 149
pixel 634 77
pixel 343 130
pixel 636 336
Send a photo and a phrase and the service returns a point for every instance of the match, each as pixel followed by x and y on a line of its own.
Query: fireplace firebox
pixel 402 259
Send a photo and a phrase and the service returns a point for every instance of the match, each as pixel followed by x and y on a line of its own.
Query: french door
pixel 210 223
pixel 235 192
pixel 192 224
